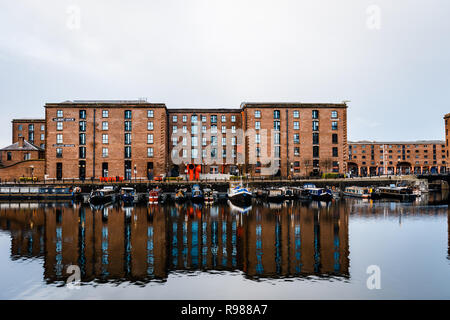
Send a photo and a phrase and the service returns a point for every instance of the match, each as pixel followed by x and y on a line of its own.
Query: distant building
pixel 32 130
pixel 447 125
pixel 369 158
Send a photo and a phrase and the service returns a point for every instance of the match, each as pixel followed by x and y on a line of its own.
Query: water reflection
pixel 144 244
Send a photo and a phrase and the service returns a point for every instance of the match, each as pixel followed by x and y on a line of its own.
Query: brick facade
pixel 139 127
pixel 300 154
pixel 28 169
pixel 32 130
pixel 377 158
pixel 447 124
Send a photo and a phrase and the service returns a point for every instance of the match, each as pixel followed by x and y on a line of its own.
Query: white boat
pixel 239 194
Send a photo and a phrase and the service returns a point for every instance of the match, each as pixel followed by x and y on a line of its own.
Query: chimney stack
pixel 21 142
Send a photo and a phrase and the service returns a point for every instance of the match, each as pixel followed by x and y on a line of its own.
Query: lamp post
pixel 32 173
pixel 135 173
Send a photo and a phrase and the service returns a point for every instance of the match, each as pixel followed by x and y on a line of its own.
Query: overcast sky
pixel 391 59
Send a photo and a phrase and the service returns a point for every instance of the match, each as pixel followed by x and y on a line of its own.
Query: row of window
pixel 105 138
pixel 105 152
pixel 194 129
pixel 105 114
pixel 194 141
pixel 30 127
pixel 195 118
pixel 195 153
pixel 296 114
pixel 315 124
pixel 277 152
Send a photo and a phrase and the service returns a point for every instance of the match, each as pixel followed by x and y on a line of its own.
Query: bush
pixel 330 175
pixel 28 179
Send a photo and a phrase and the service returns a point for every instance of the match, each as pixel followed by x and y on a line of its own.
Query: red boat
pixel 154 196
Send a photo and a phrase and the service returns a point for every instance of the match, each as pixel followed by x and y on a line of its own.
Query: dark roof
pixel 398 142
pixel 28 120
pixel 27 146
pixel 291 105
pixel 105 103
pixel 200 110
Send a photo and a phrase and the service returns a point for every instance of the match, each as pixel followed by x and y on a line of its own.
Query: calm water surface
pixel 295 250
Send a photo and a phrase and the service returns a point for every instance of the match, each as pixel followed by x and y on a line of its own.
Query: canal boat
pixel 289 193
pixel 359 192
pixel 155 196
pixel 128 195
pixel 275 195
pixel 180 195
pixel 399 193
pixel 208 195
pixel 36 193
pixel 318 194
pixel 103 196
pixel 238 194
pixel 196 194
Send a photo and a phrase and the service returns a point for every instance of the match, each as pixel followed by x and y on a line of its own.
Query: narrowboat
pixel 394 192
pixel 128 196
pixel 36 193
pixel 103 196
pixel 318 194
pixel 155 196
pixel 275 195
pixel 359 192
pixel 196 194
pixel 239 194
pixel 289 193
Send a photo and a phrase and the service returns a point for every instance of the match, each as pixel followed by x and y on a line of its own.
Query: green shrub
pixel 330 175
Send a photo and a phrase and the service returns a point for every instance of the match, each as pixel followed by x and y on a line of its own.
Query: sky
pixel 390 59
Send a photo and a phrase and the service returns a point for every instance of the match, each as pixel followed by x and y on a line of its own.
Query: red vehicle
pixel 160 177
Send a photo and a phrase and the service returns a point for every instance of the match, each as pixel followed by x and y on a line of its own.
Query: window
pixel 184 153
pixel 174 141
pixel 59 114
pixel 184 118
pixel 257 125
pixel 296 151
pixel 233 118
pixel 42 137
pixel 334 125
pixel 224 129
pixel 194 129
pixel 105 125
pixel 276 125
pixel 335 152
pixel 224 141
pixel 224 153
pixel 257 138
pixel 213 153
pixel 315 151
pixel 127 138
pixel 150 125
pixel 82 114
pixel 31 127
pixel 82 126
pixel 59 138
pixel 203 153
pixel 194 141
pixel 257 114
pixel 27 156
pixel 174 119
pixel 296 114
pixel 59 126
pixel 203 118
pixel 59 153
pixel 233 141
pixel 213 128
pixel 334 138
pixel 233 129
pixel 258 152
pixel 105 139
pixel 184 142
pixel 82 139
pixel 127 114
pixel 150 138
pixel 315 114
pixel 43 127
pixel 82 152
pixel 334 114
pixel 105 114
pixel 203 141
pixel 203 129
pixel 277 152
pixel 194 153
pixel 276 114
pixel 214 119
pixel 20 128
pixel 315 125
pixel 277 138
pixel 224 119
pixel 194 119
pixel 150 152
pixel 127 152
pixel 127 125
pixel 174 129
pixel 296 138
pixel 150 113
pixel 105 152
pixel 296 125
pixel 213 140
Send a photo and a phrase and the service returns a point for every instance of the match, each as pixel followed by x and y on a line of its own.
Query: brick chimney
pixel 21 142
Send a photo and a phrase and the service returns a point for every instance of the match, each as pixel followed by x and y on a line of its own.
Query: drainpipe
pixel 93 169
pixel 287 143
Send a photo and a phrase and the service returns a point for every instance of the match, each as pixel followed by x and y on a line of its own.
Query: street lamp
pixel 135 173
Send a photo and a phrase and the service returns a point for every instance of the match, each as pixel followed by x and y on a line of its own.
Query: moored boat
pixel 239 194
pixel 155 196
pixel 180 195
pixel 275 195
pixel 318 194
pixel 128 195
pixel 359 192
pixel 103 196
pixel 196 194
pixel 394 192
pixel 208 195
pixel 37 193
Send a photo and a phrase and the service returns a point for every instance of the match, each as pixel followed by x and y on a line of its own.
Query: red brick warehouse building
pixel 32 130
pixel 87 139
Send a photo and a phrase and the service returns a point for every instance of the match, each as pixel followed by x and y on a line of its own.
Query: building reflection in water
pixel 144 244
